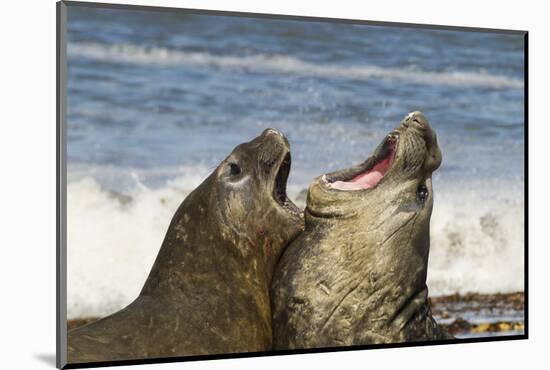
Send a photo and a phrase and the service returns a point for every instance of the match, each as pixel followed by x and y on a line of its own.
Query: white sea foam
pixel 262 63
pixel 113 239
pixel 476 239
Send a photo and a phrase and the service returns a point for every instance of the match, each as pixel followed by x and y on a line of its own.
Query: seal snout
pixel 271 131
pixel 277 136
pixel 416 124
pixel 273 147
pixel 416 119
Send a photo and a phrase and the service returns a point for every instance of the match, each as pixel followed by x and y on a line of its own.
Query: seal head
pixel 357 275
pixel 241 211
pixel 400 167
pixel 208 290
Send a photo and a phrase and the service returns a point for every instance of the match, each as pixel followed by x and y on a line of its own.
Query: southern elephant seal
pixel 208 290
pixel 357 274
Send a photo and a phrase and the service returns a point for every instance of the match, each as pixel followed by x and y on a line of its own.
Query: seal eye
pixel 422 192
pixel 234 169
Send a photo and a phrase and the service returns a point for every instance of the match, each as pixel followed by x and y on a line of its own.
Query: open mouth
pixel 368 174
pixel 279 188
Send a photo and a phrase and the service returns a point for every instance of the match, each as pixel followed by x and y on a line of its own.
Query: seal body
pixel 357 274
pixel 208 290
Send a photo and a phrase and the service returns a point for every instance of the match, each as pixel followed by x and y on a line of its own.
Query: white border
pixel 28 181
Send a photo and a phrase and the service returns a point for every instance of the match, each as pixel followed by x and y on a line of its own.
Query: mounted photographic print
pixel 235 184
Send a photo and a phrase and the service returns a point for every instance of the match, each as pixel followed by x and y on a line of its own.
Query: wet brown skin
pixel 357 274
pixel 208 290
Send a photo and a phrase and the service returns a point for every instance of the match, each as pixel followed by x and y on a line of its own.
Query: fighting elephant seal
pixel 357 274
pixel 208 290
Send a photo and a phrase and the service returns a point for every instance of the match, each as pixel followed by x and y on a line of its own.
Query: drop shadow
pixel 47 358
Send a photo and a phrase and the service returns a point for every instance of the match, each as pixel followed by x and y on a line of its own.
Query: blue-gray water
pixel 156 100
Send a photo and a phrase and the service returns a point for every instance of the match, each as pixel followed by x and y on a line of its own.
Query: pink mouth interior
pixel 368 179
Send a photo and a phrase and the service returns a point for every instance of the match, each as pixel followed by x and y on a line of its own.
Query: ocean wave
pixel 113 238
pixel 477 240
pixel 283 64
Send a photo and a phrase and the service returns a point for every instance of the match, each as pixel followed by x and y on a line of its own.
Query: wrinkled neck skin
pixel 380 263
pixel 201 257
pixel 357 275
